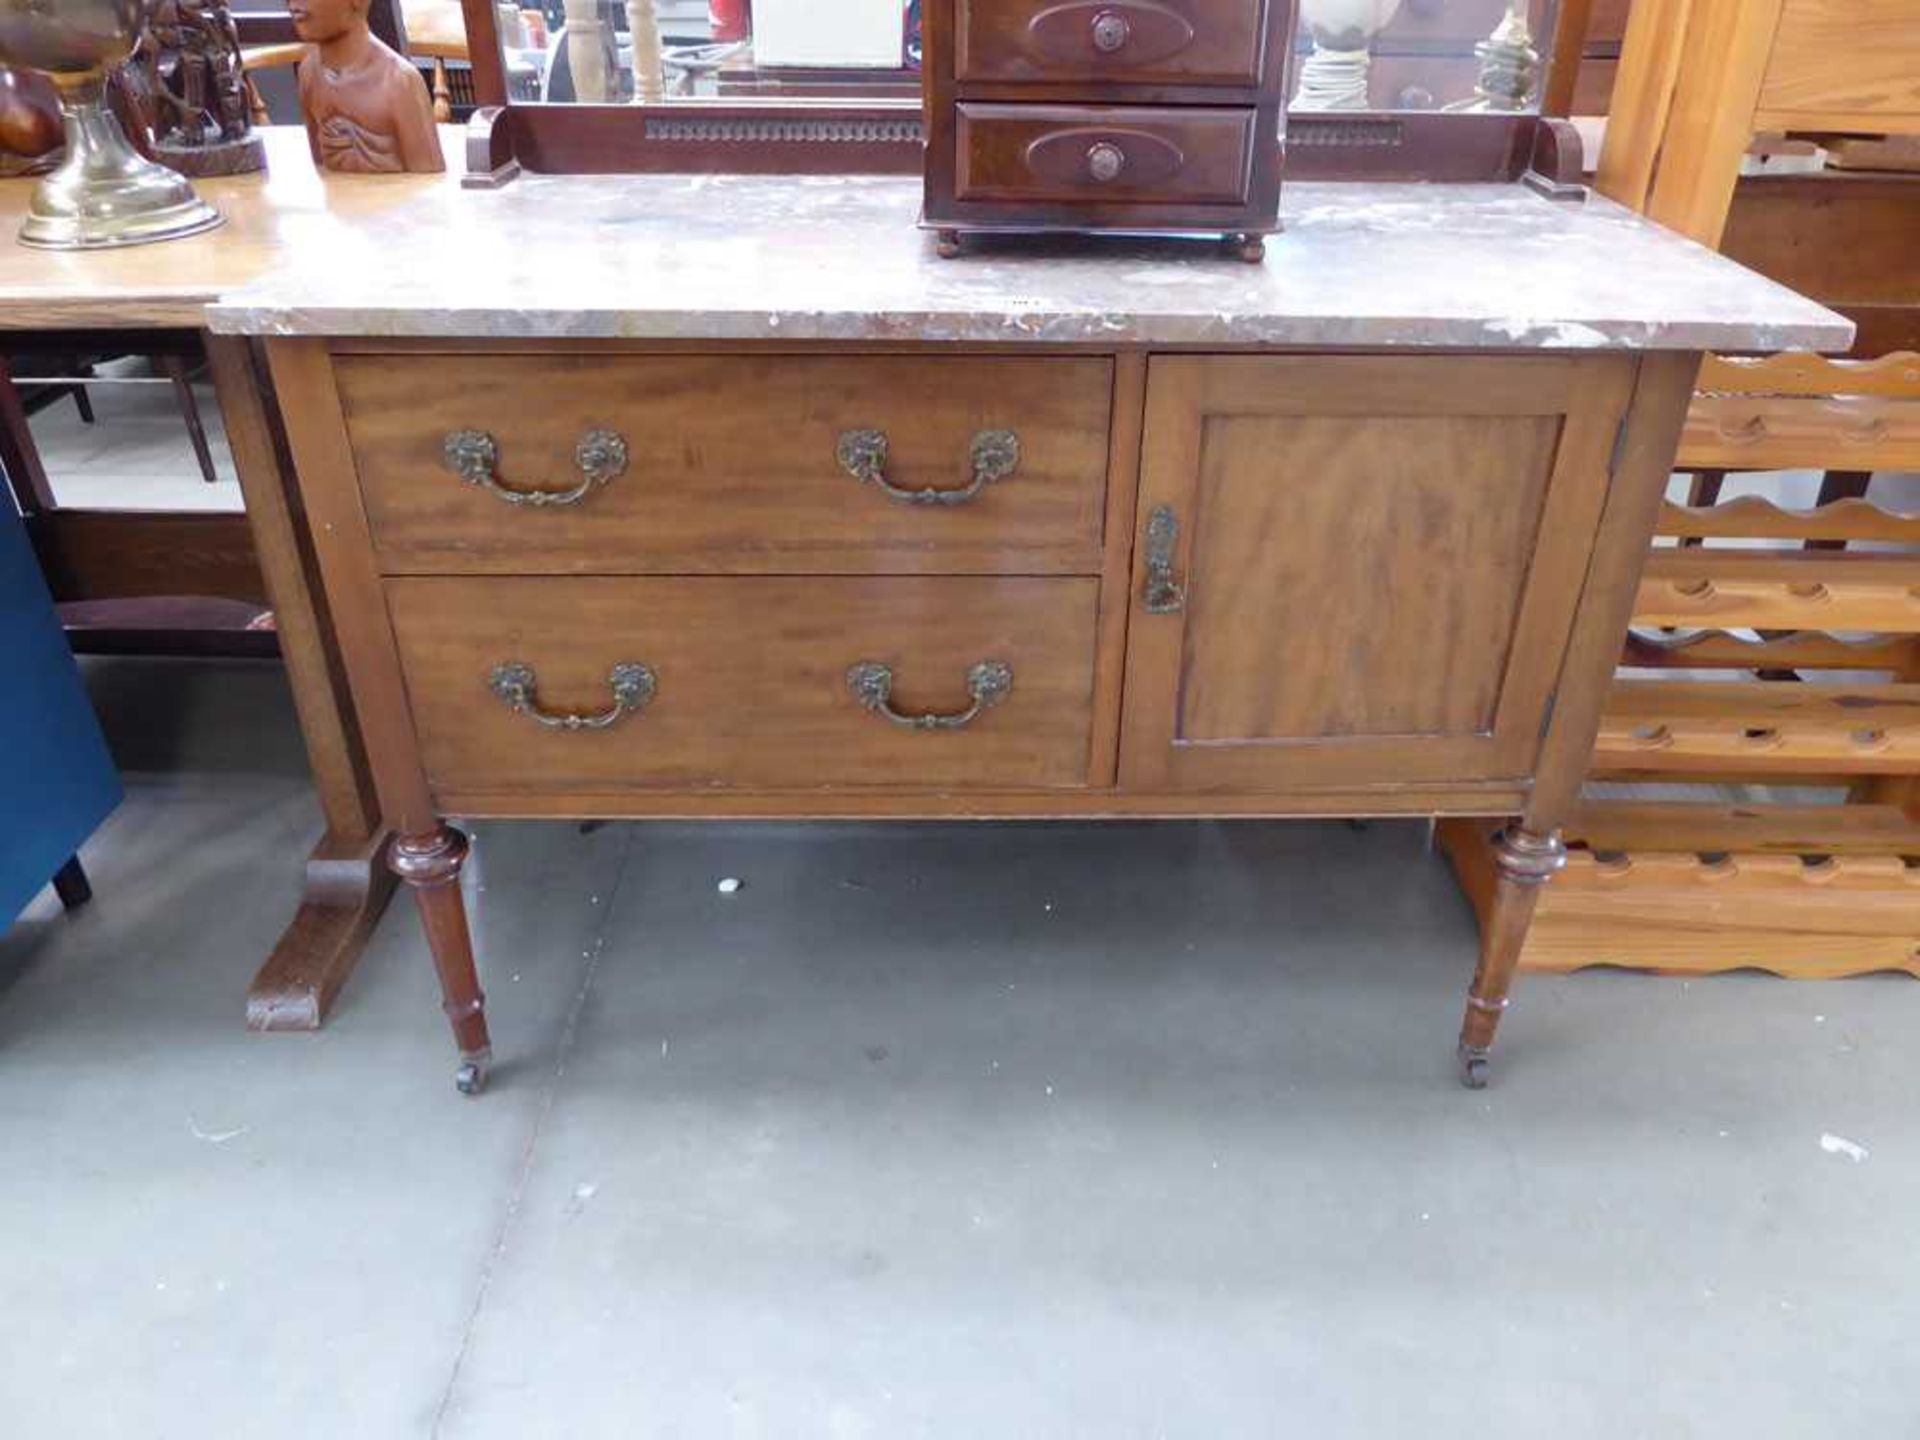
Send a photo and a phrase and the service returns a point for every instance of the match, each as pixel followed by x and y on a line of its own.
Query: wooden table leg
pixel 348 883
pixel 430 864
pixel 1523 863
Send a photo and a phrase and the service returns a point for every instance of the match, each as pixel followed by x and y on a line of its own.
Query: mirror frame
pixel 789 136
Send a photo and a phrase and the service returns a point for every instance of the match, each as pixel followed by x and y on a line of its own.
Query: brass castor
pixel 470 1078
pixel 1250 248
pixel 1474 1065
pixel 946 243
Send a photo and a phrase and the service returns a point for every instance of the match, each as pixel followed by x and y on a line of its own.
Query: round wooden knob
pixel 1105 161
pixel 1110 32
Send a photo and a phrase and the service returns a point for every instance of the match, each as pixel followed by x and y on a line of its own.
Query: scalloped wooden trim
pixel 1799 373
pixel 1560 944
pixel 1677 914
pixel 1751 517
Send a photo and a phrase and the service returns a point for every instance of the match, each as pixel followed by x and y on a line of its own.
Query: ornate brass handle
pixel 632 684
pixel 863 455
pixel 988 683
pixel 474 456
pixel 1162 595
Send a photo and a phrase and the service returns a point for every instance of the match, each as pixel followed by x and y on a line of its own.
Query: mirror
pixel 1379 55
pixel 1446 55
pixel 562 51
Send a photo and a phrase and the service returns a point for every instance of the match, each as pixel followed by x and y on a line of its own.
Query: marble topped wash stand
pixel 724 496
pixel 263 556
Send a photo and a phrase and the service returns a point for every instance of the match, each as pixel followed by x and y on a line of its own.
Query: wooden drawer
pixel 750 681
pixel 1117 42
pixel 734 463
pixel 1089 154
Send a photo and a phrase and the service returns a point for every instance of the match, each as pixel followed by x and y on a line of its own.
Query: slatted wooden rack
pixel 1772 647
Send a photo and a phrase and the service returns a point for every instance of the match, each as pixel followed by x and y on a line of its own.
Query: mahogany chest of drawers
pixel 1129 115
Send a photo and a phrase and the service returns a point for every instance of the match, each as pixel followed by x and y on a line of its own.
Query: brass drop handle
pixel 632 684
pixel 474 456
pixel 1162 594
pixel 988 683
pixel 995 455
pixel 1111 31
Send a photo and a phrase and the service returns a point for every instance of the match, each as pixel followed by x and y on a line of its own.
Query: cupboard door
pixel 1359 571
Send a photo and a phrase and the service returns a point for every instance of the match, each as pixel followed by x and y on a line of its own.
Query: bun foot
pixel 1474 1065
pixel 1250 248
pixel 471 1078
pixel 947 243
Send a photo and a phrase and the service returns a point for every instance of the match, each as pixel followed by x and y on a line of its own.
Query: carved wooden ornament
pixel 367 110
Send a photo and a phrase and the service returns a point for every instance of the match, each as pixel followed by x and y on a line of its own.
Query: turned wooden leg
pixel 71 885
pixel 430 866
pixel 947 243
pixel 1523 863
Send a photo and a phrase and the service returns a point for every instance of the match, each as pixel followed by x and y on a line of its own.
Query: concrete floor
pixel 1053 1131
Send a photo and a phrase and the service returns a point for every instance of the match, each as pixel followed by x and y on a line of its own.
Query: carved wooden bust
pixel 367 110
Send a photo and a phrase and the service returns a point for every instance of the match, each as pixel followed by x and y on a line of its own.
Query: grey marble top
pixel 840 258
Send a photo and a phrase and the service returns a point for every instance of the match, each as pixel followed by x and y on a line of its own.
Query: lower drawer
pixel 1104 154
pixel 753 683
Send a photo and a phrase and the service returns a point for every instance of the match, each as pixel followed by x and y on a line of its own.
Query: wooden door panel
pixel 1380 561
pixel 1339 565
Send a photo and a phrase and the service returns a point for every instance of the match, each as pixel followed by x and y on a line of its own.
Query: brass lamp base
pixel 105 194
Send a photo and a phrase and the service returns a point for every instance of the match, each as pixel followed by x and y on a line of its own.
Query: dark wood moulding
pixel 886 138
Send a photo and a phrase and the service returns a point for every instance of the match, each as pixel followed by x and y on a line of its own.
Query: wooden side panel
pixel 751 676
pixel 1380 560
pixel 1844 239
pixel 732 462
pixel 303 378
pixel 126 554
pixel 1844 64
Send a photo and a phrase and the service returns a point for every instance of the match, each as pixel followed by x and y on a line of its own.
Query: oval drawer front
pixel 1104 157
pixel 1139 42
pixel 800 683
pixel 731 463
pixel 1086 154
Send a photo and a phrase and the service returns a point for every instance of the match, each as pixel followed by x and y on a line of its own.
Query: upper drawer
pixel 713 464
pixel 1088 154
pixel 1125 42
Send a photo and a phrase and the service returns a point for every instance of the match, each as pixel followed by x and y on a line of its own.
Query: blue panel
pixel 57 781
